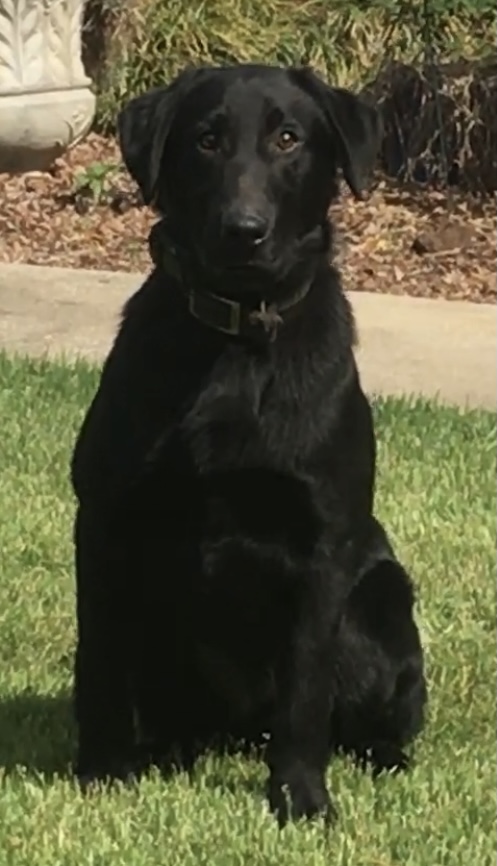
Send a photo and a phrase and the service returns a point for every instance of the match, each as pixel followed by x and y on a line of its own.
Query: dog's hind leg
pixel 380 685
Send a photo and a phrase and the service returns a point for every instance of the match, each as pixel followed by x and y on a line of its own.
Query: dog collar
pixel 223 314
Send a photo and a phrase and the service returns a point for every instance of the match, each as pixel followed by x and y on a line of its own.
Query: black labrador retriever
pixel 233 585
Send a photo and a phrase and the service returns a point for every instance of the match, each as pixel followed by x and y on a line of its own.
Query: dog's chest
pixel 258 509
pixel 243 416
pixel 224 427
pixel 234 458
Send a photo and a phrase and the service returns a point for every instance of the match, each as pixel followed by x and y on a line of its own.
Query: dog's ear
pixel 143 127
pixel 355 124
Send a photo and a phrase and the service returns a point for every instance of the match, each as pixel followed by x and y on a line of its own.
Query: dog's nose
pixel 247 228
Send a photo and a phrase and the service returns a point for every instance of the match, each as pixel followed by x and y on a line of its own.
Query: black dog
pixel 232 581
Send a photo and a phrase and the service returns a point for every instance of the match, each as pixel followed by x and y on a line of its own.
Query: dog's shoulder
pixel 129 405
pixel 150 316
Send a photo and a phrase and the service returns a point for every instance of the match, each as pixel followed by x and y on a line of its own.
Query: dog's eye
pixel 287 140
pixel 207 141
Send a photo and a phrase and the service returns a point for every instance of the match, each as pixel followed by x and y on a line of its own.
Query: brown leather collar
pixel 223 314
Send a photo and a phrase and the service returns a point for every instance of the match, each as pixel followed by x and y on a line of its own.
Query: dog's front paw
pixel 391 759
pixel 299 793
pixel 384 757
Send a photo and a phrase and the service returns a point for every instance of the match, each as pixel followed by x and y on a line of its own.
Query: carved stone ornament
pixel 46 104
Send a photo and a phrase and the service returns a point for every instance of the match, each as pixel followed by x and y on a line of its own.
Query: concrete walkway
pixel 407 345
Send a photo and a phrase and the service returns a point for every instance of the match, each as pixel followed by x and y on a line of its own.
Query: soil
pixel 87 213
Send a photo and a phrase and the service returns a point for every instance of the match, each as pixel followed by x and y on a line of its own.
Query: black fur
pixel 231 578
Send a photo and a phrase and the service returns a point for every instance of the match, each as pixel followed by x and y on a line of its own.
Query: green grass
pixel 436 492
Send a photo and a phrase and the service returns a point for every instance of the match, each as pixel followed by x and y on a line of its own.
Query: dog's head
pixel 244 162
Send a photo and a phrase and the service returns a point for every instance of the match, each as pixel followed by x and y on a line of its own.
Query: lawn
pixel 436 491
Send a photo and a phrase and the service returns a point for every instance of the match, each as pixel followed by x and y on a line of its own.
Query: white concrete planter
pixel 46 104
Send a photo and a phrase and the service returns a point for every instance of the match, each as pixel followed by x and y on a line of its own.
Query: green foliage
pixel 94 180
pixel 149 41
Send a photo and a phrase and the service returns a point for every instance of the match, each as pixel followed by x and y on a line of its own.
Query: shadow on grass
pixel 37 737
pixel 36 734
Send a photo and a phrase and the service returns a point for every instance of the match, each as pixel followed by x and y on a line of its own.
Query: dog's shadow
pixel 36 734
pixel 37 737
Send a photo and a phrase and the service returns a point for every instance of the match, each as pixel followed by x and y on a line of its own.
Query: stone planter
pixel 46 104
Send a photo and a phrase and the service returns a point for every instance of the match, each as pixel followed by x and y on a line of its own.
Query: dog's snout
pixel 245 227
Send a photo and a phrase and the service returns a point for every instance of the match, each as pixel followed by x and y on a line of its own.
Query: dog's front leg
pixel 102 695
pixel 298 751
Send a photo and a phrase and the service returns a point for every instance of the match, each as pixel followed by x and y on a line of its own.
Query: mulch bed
pixel 400 240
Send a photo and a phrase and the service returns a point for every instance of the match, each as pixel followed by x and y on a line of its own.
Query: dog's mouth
pixel 237 265
pixel 268 259
pixel 265 271
pixel 242 268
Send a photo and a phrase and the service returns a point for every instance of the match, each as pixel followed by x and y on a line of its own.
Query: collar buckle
pixel 228 313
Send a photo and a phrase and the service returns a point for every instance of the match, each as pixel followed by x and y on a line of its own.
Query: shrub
pixel 132 46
